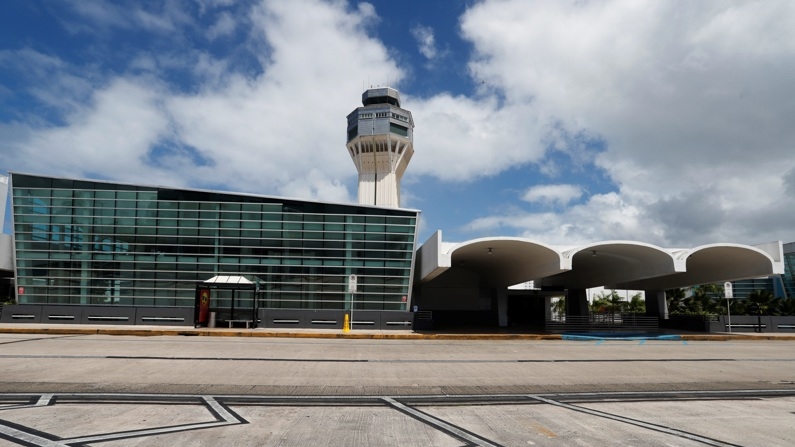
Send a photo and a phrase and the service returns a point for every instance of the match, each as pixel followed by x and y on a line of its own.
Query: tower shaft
pixel 380 143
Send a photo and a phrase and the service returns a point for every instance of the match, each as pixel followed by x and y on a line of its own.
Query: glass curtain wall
pixel 788 279
pixel 94 243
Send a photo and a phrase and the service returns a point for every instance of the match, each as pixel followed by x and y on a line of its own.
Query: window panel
pixel 153 251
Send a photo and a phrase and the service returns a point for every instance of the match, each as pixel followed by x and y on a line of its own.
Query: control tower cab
pixel 381 143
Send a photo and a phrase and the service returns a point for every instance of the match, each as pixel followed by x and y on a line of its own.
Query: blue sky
pixel 567 122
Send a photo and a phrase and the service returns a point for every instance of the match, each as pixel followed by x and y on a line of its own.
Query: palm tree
pixel 765 300
pixel 738 307
pixel 636 304
pixel 701 300
pixel 675 299
pixel 608 304
pixel 786 306
pixel 600 303
pixel 559 307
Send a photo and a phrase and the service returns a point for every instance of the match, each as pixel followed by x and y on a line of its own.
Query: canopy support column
pixel 576 303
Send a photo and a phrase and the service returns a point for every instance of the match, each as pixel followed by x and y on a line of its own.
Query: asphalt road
pixel 270 366
pixel 123 391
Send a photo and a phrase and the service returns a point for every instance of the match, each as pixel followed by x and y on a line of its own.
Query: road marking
pixel 221 407
pixel 637 423
pixel 222 411
pixel 28 438
pixel 439 424
pixel 224 416
pixel 146 432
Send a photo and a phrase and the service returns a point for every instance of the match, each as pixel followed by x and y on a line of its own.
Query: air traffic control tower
pixel 381 143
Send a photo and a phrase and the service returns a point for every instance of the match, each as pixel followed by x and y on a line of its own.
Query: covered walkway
pixel 470 280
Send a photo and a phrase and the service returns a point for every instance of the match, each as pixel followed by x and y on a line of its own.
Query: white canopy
pixel 243 282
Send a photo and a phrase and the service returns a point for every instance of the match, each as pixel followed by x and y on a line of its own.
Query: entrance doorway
pixel 526 311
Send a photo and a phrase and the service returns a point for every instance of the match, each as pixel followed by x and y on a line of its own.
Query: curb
pixel 264 333
pixel 732 337
pixel 259 333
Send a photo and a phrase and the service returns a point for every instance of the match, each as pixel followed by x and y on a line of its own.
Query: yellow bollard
pixel 346 324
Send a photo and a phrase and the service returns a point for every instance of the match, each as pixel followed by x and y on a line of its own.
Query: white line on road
pixel 438 423
pixel 29 438
pixel 659 428
pixel 44 400
pixel 227 419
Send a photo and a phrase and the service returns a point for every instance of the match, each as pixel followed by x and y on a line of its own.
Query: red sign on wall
pixel 20 290
pixel 204 305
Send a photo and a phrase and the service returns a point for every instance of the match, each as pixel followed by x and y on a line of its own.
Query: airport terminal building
pixel 101 252
pixel 106 252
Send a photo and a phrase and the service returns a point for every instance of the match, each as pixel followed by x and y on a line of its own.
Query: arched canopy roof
pixel 506 261
pixel 611 262
pixel 709 264
pixel 503 262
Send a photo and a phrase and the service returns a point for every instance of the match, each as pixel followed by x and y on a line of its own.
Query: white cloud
pixel 112 135
pixel 54 83
pixel 204 5
pixel 277 132
pixel 552 194
pixel 606 216
pixel 101 13
pixel 427 43
pixel 464 138
pixel 224 26
pixel 690 98
pixel 266 134
pixel 690 103
pixel 161 17
pixel 316 183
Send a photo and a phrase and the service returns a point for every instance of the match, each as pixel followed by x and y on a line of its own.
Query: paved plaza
pixel 75 389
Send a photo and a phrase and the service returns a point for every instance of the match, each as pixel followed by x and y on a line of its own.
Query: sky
pixel 670 122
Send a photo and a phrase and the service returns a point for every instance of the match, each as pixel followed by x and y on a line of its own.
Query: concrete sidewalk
pixel 70 329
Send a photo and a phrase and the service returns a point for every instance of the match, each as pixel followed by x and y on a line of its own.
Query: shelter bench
pixel 247 322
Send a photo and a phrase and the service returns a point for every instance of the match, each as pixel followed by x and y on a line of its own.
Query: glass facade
pixel 788 279
pixel 81 242
pixel 744 287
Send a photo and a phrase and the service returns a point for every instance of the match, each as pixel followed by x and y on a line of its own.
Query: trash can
pixel 211 323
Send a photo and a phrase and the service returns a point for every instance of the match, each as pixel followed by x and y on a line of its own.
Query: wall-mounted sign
pixel 352 283
pixel 204 305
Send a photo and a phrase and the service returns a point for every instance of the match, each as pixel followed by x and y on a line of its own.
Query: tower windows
pixel 398 129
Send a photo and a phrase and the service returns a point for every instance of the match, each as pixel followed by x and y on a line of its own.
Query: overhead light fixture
pixel 489 250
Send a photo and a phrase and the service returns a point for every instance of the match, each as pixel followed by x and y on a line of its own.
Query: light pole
pixel 729 294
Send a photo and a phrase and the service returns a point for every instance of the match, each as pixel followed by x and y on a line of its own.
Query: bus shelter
pixel 204 310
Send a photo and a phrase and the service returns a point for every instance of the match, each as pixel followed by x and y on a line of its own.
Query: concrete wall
pixel 334 319
pixel 430 260
pixel 455 289
pixel 6 253
pixel 750 323
pixel 720 323
pixel 3 199
pixel 121 315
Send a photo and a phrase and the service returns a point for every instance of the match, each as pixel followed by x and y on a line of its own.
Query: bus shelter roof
pixel 232 282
